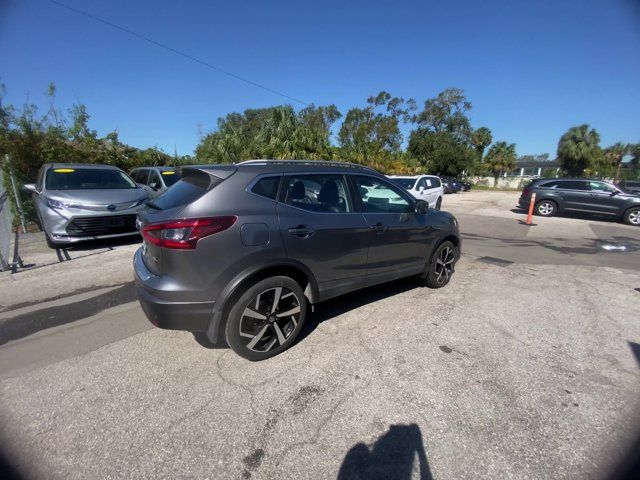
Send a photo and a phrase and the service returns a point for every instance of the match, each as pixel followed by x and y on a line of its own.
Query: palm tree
pixel 501 157
pixel 481 139
pixel 614 155
pixel 578 149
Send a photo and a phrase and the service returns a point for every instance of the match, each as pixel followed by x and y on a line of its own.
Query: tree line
pixel 440 139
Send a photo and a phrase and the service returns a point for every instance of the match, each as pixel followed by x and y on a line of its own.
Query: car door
pixel 574 194
pixel 400 240
pixel 606 199
pixel 431 191
pixel 321 228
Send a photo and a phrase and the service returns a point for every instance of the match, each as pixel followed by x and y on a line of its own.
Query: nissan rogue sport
pixel 241 251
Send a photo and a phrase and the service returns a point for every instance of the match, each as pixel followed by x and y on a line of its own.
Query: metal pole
pixel 16 196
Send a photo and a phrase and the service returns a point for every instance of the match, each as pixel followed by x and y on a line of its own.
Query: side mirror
pixel 421 206
pixel 421 188
pixel 154 185
pixel 615 192
pixel 29 187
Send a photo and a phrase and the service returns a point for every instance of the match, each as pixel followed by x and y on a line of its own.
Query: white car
pixel 423 187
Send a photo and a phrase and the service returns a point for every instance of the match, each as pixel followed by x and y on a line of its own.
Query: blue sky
pixel 531 69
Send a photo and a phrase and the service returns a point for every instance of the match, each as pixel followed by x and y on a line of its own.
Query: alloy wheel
pixel 270 319
pixel 444 264
pixel 634 217
pixel 545 208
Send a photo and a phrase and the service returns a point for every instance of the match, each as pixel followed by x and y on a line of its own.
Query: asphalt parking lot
pixel 526 366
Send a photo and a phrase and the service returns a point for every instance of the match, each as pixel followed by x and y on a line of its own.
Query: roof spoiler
pixel 220 171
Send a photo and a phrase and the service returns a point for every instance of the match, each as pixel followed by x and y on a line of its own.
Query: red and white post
pixel 531 205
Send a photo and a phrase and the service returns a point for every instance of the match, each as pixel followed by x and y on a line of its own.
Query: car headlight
pixel 57 204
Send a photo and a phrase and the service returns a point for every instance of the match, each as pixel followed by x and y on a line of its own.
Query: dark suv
pixel 240 251
pixel 579 195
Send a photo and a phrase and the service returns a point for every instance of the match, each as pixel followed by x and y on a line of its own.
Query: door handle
pixel 379 227
pixel 301 231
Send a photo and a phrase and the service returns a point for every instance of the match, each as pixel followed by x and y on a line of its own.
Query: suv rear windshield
pixel 188 189
pixel 407 183
pixel 87 179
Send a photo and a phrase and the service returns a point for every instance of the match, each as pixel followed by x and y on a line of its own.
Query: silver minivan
pixel 77 202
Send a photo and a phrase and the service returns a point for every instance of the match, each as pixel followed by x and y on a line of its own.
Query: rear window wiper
pixel 152 204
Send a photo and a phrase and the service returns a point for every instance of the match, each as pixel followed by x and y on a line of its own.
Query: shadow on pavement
pixel 576 215
pixel 392 457
pixel 350 301
pixel 332 308
pixel 635 349
pixel 589 245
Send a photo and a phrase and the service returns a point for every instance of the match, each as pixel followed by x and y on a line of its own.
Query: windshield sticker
pixel 64 170
pixel 168 173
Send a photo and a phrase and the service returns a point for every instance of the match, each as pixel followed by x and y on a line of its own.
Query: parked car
pixel 423 187
pixel 630 186
pixel 466 186
pixel 451 185
pixel 155 179
pixel 241 251
pixel 85 202
pixel 580 195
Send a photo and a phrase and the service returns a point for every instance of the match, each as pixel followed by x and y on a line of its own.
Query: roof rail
pixel 328 163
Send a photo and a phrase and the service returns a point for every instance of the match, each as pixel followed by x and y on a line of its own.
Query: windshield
pixel 407 183
pixel 87 179
pixel 170 177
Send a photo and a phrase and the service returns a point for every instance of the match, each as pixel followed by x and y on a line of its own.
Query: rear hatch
pixel 194 183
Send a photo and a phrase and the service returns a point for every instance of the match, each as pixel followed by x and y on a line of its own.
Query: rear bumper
pixel 167 313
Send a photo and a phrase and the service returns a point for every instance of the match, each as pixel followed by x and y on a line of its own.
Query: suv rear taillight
pixel 184 234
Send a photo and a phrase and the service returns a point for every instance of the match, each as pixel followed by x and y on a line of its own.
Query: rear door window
pixel 141 176
pixel 267 187
pixel 573 185
pixel 325 193
pixel 154 179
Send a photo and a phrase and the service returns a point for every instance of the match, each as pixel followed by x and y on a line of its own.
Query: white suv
pixel 423 187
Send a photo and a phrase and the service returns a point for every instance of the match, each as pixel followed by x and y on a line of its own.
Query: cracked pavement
pixel 525 370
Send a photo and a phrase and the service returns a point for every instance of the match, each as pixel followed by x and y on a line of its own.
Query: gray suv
pixel 241 251
pixel 581 195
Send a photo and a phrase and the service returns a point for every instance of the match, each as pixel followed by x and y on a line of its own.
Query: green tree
pixel 274 132
pixel 375 129
pixel 440 152
pixel 614 154
pixel 442 140
pixel 501 157
pixel 447 112
pixel 481 138
pixel 579 149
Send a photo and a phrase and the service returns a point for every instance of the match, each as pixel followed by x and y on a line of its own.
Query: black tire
pixel 632 216
pixel 546 208
pixel 438 203
pixel 441 266
pixel 257 338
